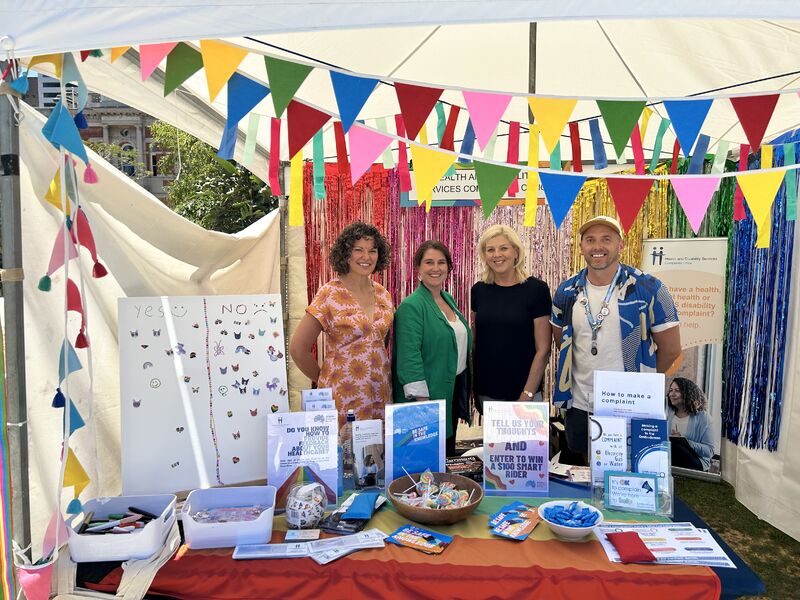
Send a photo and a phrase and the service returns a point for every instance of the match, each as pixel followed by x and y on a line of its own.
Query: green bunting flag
pixel 183 62
pixel 620 117
pixel 493 181
pixel 285 78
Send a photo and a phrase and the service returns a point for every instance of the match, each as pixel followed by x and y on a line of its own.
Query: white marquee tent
pixel 619 49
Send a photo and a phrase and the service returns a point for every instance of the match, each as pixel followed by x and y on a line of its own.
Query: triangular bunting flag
pixel 429 168
pixel 687 118
pixel 53 194
pixel 220 61
pixel 74 298
pixel 303 123
pixel 365 146
pixel 552 115
pixel 416 103
pixel 61 131
pixel 561 190
pixel 694 194
pixel 71 74
pixel 629 196
pixel 35 580
pixel 75 474
pixel 351 94
pixel 620 117
pixel 244 94
pixel 493 181
pixel 118 51
pixel 485 112
pixel 151 55
pixel 75 419
pixel 285 78
pixel 57 255
pixel 759 191
pixel 73 364
pixel 183 62
pixel 57 60
pixel 82 234
pixel 754 113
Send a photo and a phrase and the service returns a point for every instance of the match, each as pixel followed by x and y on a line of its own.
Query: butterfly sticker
pixel 179 349
pixel 272 386
pixel 253 412
pixel 235 459
pixel 235 368
pixel 137 403
pixel 179 429
pixel 223 370
pixel 237 335
pixel 186 379
pixel 273 320
pixel 261 332
pixel 219 349
pixel 196 325
pixel 135 333
pixel 196 390
pixel 245 381
pixel 237 435
pixel 243 389
pixel 156 333
pixel 230 413
pixel 218 322
pixel 256 391
pixel 193 355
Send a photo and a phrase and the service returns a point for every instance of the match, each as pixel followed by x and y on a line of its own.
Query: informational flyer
pixel 370 468
pixel 650 449
pixel 632 492
pixel 302 447
pixel 515 448
pixel 318 399
pixel 622 394
pixel 609 447
pixel 415 438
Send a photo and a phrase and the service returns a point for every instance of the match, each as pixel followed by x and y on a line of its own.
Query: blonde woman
pixel 511 322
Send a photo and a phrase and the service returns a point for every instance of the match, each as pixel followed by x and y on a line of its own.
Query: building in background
pixel 110 122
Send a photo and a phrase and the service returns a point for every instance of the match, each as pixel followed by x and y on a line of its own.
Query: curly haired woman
pixel 688 419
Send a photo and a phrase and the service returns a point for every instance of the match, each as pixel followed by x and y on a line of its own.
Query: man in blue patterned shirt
pixel 608 317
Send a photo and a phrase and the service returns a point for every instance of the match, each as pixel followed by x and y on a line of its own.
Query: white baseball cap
pixel 610 222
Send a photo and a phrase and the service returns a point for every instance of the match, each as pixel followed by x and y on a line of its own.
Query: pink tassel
pixel 89 176
pixel 99 270
pixel 81 341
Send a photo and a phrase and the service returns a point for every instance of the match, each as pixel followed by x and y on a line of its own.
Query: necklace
pixel 596 322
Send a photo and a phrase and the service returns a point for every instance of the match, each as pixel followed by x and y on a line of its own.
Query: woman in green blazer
pixel 432 348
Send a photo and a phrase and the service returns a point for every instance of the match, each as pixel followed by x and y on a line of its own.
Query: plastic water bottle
pixel 348 458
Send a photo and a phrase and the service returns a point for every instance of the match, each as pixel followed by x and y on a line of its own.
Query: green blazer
pixel 424 349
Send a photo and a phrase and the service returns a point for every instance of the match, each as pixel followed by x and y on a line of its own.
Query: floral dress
pixel 356 362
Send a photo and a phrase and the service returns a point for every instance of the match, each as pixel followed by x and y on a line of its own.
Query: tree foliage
pixel 214 193
pixel 126 161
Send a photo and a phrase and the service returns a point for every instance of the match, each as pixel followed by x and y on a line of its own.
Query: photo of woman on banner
pixel 689 426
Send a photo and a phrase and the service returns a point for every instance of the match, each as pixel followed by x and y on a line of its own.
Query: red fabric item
pixel 303 123
pixel 638 151
pixel 275 157
pixel 512 157
pixel 575 141
pixel 402 156
pixel 630 546
pixel 738 197
pixel 341 151
pixel 629 196
pixel 754 113
pixel 85 54
pixel 448 139
pixel 676 148
pixel 82 233
pixel 416 103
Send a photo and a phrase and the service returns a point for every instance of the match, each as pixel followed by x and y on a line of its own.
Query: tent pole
pixel 11 232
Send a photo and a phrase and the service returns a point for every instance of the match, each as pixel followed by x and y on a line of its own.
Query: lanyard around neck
pixel 596 322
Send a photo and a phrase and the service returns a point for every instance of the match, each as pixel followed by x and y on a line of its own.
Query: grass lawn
pixel 772 554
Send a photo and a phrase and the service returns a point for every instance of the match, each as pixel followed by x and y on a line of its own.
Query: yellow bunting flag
pixel 118 51
pixel 220 61
pixel 551 115
pixel 423 135
pixel 759 191
pixel 53 194
pixel 532 189
pixel 296 190
pixel 57 60
pixel 429 168
pixel 766 156
pixel 74 474
pixel 646 114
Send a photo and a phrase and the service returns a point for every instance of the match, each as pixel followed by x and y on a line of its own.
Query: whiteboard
pixel 198 376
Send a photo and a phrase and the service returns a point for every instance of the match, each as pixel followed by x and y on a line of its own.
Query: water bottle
pixel 348 458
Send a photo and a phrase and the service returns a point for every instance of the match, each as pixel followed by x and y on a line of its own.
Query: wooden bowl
pixel 434 516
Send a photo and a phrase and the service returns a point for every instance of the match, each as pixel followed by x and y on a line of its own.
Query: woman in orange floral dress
pixel 355 313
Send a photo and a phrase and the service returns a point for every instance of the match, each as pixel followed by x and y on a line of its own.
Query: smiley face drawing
pixel 259 307
pixel 178 310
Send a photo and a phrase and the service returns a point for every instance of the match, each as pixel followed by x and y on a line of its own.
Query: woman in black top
pixel 511 320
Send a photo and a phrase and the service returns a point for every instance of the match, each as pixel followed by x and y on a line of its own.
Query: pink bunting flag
pixel 638 151
pixel 275 156
pixel 55 534
pixel 57 255
pixel 485 112
pixel 365 147
pixel 35 581
pixel 402 156
pixel 151 55
pixel 694 194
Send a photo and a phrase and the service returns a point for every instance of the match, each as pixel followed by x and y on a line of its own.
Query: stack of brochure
pixel 670 543
pixel 322 551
